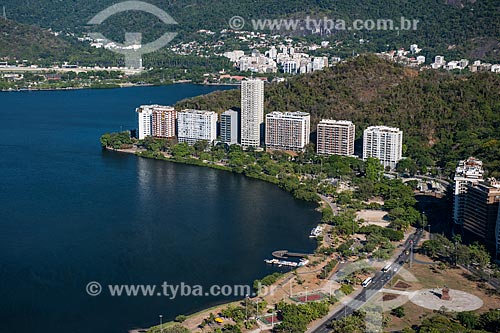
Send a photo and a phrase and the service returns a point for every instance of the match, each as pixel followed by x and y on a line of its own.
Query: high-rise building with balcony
pixel 163 121
pixel 287 131
pixel 145 121
pixel 384 143
pixel 335 137
pixel 229 127
pixel 468 172
pixel 480 213
pixel 197 125
pixel 156 120
pixel 252 112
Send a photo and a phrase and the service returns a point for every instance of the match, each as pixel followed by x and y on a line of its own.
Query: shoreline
pixel 120 86
pixel 301 279
pixel 215 309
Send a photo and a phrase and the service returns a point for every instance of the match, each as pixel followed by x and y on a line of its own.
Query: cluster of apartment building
pixel 286 59
pixel 476 203
pixel 287 131
pixel 477 66
pixel 190 126
pixel 406 57
pixel 165 122
pixel 412 59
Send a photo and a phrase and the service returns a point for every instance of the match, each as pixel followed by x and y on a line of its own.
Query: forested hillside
pixel 454 28
pixel 445 117
pixel 25 42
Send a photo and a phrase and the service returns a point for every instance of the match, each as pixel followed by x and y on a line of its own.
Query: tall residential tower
pixel 252 112
pixel 229 127
pixel 287 131
pixel 156 120
pixel 468 172
pixel 384 143
pixel 196 125
pixel 335 137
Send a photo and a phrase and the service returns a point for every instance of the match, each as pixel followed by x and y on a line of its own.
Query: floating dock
pixel 278 262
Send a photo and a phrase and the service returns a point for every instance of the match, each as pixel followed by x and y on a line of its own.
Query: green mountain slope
pixel 25 42
pixel 454 28
pixel 445 117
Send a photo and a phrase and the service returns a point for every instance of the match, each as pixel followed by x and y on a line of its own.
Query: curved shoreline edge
pixel 199 163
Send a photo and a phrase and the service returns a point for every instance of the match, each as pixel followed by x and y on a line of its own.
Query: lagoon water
pixel 71 213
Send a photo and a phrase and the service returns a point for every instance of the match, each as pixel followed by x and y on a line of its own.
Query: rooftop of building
pixel 383 129
pixel 470 168
pixel 335 122
pixel 296 114
pixel 192 111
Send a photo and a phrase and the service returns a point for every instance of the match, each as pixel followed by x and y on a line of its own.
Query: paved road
pixel 332 205
pixel 492 281
pixel 379 281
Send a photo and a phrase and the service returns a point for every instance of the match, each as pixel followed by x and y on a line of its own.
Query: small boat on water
pixel 282 263
pixel 316 231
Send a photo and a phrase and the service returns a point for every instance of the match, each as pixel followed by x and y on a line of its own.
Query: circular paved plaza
pixel 460 300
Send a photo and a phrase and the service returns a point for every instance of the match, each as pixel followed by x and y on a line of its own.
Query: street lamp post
pixel 161 323
pixel 246 306
pixel 411 254
pixel 306 295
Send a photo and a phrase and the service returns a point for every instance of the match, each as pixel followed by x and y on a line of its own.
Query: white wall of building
pixel 144 117
pixel 288 131
pixel 252 112
pixel 197 125
pixel 384 143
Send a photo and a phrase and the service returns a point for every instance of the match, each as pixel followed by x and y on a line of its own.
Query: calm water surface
pixel 71 213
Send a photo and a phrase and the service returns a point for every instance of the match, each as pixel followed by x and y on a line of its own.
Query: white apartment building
pixel 468 172
pixel 384 143
pixel 156 120
pixel 335 137
pixel 438 62
pixel 229 129
pixel 290 67
pixel 145 120
pixel 197 125
pixel 252 112
pixel 287 131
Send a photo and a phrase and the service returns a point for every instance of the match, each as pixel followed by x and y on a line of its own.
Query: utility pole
pixel 411 254
pixel 246 306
